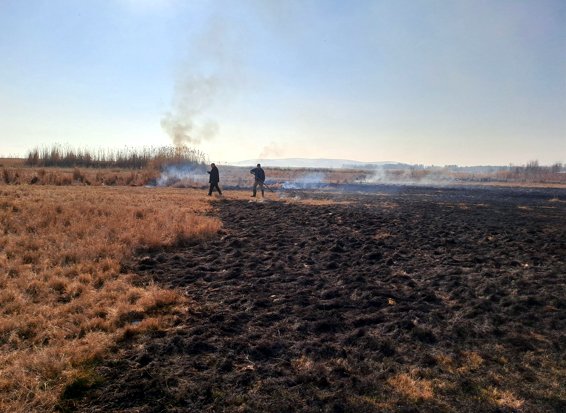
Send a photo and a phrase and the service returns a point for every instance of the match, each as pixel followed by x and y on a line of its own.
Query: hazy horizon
pixel 418 82
pixel 285 162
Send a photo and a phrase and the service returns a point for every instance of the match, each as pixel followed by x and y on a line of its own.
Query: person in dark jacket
pixel 259 179
pixel 214 179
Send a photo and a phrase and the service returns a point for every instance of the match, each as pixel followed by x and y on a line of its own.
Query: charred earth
pixel 403 299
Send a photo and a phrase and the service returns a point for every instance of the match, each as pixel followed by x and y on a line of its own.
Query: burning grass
pixel 64 299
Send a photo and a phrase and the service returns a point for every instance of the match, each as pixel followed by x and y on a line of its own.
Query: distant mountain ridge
pixel 314 163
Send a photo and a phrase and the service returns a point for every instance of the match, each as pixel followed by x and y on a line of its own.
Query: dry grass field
pixel 73 302
pixel 76 176
pixel 187 175
pixel 65 298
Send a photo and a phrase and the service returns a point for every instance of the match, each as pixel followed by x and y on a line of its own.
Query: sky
pixel 467 82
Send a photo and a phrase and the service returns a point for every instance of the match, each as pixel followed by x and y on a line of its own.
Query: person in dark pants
pixel 214 179
pixel 259 179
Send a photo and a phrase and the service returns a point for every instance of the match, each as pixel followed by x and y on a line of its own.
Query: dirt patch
pixel 453 300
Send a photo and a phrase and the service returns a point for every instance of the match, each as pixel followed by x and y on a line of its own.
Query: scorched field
pixel 399 299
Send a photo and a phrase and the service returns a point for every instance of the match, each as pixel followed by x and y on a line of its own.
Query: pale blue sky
pixel 420 81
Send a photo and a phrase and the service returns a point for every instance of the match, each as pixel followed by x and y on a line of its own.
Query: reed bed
pixel 127 158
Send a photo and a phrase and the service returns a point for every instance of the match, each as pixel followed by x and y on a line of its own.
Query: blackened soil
pixel 412 300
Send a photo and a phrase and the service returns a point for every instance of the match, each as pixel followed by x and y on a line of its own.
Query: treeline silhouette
pixel 127 158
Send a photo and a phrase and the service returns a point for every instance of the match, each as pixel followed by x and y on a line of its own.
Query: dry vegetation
pixel 66 166
pixel 15 172
pixel 128 158
pixel 65 298
pixel 151 167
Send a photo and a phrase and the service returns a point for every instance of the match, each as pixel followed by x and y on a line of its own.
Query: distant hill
pixel 316 163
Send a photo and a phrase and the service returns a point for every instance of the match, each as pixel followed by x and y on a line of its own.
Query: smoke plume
pixel 208 75
pixel 182 176
pixel 184 123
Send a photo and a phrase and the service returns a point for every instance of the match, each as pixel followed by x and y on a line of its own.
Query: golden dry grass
pixel 15 174
pixel 12 162
pixel 411 387
pixel 15 171
pixel 63 298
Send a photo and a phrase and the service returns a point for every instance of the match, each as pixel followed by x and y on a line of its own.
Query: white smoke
pixel 308 181
pixel 211 72
pixel 409 176
pixel 182 176
pixel 184 124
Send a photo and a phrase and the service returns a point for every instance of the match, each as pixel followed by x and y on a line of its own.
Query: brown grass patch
pixel 15 174
pixel 471 360
pixel 413 388
pixel 302 364
pixel 63 298
pixel 503 398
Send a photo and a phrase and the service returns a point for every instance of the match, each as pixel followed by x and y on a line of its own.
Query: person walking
pixel 259 174
pixel 214 179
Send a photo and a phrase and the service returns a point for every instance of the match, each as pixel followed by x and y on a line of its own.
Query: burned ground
pixel 414 300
